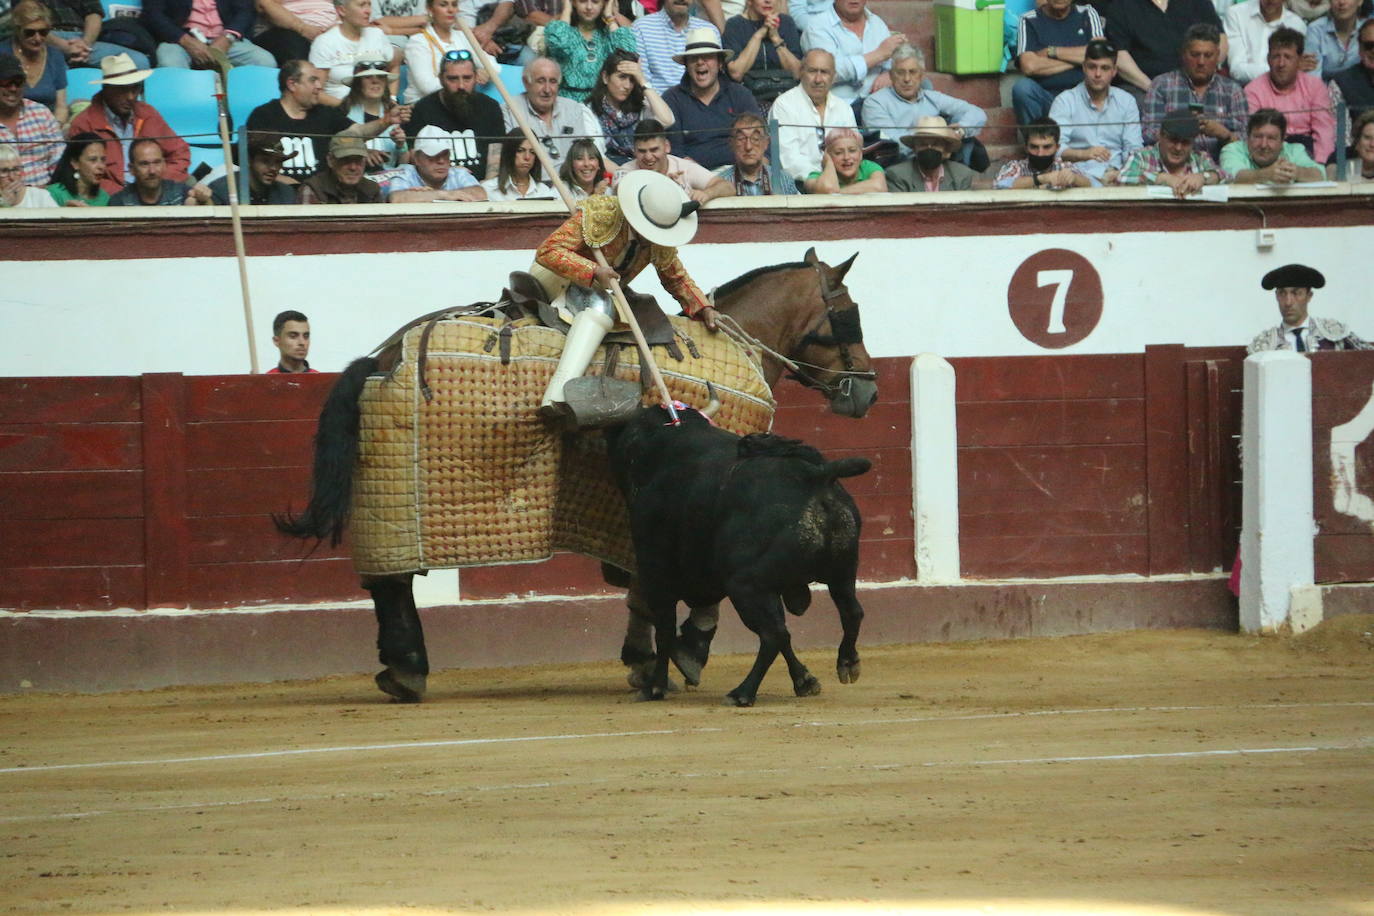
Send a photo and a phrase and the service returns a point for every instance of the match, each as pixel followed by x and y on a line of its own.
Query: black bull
pixel 755 519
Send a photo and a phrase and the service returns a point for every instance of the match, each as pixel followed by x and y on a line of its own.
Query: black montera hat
pixel 1294 275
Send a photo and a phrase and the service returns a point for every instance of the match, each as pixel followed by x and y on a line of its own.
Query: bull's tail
pixel 336 455
pixel 846 467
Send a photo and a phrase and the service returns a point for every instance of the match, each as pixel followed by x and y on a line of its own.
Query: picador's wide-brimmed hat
pixel 1294 275
pixel 703 41
pixel 657 208
pixel 120 70
pixel 936 128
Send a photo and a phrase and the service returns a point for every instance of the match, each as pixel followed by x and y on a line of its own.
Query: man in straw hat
pixel 661 35
pixel 646 221
pixel 1292 285
pixel 27 125
pixel 930 168
pixel 704 105
pixel 117 114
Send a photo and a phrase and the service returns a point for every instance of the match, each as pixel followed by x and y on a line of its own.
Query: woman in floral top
pixel 623 97
pixel 580 39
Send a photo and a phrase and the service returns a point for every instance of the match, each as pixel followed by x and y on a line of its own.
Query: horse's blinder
pixel 845 331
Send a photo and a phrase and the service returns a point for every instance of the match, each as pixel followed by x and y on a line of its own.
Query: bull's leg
pixel 664 613
pixel 763 615
pixel 851 616
pixel 694 642
pixel 400 638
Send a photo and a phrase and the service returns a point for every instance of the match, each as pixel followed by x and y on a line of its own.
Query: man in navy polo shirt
pixel 1049 51
pixel 704 104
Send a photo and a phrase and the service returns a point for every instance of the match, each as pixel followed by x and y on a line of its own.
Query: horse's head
pixel 832 351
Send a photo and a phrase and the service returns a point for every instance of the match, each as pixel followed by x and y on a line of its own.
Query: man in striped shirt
pixel 662 35
pixel 31 127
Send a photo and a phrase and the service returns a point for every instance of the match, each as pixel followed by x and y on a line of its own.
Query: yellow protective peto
pixel 475 478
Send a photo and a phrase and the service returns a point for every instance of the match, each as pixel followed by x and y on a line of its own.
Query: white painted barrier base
pixel 934 470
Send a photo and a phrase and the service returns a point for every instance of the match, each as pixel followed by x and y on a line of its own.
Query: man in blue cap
pixel 1292 285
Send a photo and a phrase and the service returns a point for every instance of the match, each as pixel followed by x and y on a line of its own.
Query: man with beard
pixel 1264 158
pixel 1043 166
pixel 556 120
pixel 265 158
pixel 149 188
pixel 1175 161
pixel 1292 285
pixel 704 105
pixel 932 141
pixel 1102 122
pixel 471 120
pixel 1217 102
pixel 1303 97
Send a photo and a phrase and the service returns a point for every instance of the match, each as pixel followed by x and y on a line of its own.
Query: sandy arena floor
pixel 1143 773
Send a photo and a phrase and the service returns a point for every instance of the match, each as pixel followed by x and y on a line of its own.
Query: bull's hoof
pixel 647 693
pixel 691 652
pixel 808 686
pixel 401 686
pixel 739 698
pixel 848 671
pixel 637 676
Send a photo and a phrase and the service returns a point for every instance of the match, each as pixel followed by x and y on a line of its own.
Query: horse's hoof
pixel 402 686
pixel 636 678
pixel 808 686
pixel 651 693
pixel 848 672
pixel 734 698
pixel 692 651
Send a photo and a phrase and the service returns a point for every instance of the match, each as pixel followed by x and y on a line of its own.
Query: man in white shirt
pixel 653 152
pixel 1248 27
pixel 861 44
pixel 556 120
pixel 805 112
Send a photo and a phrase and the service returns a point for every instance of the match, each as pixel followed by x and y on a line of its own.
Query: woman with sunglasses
pixel 518 177
pixel 368 99
pixel 584 171
pixel 76 180
pixel 621 99
pixel 45 74
pixel 428 49
pixel 352 40
pixel 585 33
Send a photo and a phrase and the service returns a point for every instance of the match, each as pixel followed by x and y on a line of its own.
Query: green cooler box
pixel 968 36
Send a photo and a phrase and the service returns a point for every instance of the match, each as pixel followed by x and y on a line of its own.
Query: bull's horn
pixel 713 404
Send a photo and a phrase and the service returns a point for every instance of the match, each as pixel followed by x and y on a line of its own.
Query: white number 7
pixel 1061 280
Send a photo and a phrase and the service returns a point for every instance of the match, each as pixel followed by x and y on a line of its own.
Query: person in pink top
pixel 653 151
pixel 1302 97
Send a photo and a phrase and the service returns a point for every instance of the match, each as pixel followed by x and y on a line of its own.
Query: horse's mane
pixel 767 445
pixel 728 288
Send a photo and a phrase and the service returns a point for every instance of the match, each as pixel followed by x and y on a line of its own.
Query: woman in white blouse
pixel 518 177
pixel 347 43
pixel 425 50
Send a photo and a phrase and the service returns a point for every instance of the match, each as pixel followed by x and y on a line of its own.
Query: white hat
pixel 935 128
pixel 432 141
pixel 369 68
pixel 120 70
pixel 657 207
pixel 702 41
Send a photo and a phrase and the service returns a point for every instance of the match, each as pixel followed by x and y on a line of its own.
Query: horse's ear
pixel 842 269
pixel 811 256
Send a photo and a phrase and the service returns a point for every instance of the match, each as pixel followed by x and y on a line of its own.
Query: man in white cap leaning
pixel 930 169
pixel 644 223
pixel 1292 285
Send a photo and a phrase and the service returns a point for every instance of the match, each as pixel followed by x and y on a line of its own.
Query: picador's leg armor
pixel 589 327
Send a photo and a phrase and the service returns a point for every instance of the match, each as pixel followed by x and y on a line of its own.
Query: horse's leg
pixel 400 638
pixel 851 616
pixel 694 642
pixel 637 652
pixel 663 611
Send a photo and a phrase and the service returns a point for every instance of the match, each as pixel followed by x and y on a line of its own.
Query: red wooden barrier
pixel 1342 387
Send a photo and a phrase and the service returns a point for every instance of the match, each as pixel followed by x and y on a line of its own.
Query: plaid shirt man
pixel 1018 168
pixel 38 138
pixel 1145 165
pixel 1224 101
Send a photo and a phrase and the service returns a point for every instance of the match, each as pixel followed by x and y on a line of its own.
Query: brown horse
pixel 801 312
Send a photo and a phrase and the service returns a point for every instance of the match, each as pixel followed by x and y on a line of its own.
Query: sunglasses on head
pixel 461 54
pixel 30 33
pixel 1367 45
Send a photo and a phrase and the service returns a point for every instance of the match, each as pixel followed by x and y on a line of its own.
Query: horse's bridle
pixel 845 331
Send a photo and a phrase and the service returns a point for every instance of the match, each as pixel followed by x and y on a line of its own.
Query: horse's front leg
pixel 694 642
pixel 400 638
pixel 637 652
pixel 663 611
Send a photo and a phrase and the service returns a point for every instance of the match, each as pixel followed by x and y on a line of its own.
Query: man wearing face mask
pixel 1042 167
pixel 932 142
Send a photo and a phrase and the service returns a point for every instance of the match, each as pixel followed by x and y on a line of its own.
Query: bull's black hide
pixel 756 520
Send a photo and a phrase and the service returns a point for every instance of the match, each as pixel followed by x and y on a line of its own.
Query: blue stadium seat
pixel 186 100
pixel 248 88
pixel 79 85
pixel 510 78
pixel 212 156
pixel 115 8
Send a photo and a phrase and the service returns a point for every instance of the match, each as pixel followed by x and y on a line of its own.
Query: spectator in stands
pixel 1298 330
pixel 293 26
pixel 805 113
pixel 431 174
pixel 1263 158
pixel 1049 52
pixel 1175 161
pixel 930 168
pixel 344 179
pixel 485 31
pixel 425 50
pixel 400 19
pixel 767 50
pixel 1332 38
pixel 894 109
pixel 621 99
pixel 1218 102
pixel 1307 9
pixel 29 126
pixel 661 35
pixel 519 176
pixel 1044 165
pixel 13 191
pixel 584 171
pixel 76 34
pixel 580 39
pixel 150 186
pixel 45 74
pixel 1102 122
pixel 1248 27
pixel 1303 97
pixel 861 45
pixel 704 105
pixel 471 119
pixel 369 100
pixel 844 169
pixel 265 158
pixel 750 173
pixel 76 180
pixel 805 12
pixel 556 120
pixel 204 33
pixel 1355 87
pixel 116 114
pixel 653 151
pixel 305 126
pixel 353 39
pixel 1149 38
pixel 1361 168
pixel 291 337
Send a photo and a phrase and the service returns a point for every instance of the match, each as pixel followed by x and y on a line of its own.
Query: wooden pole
pixel 232 184
pixel 622 306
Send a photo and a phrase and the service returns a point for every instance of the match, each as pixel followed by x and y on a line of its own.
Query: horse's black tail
pixel 336 455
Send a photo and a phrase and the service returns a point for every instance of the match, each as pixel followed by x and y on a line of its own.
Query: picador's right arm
pixel 563 252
